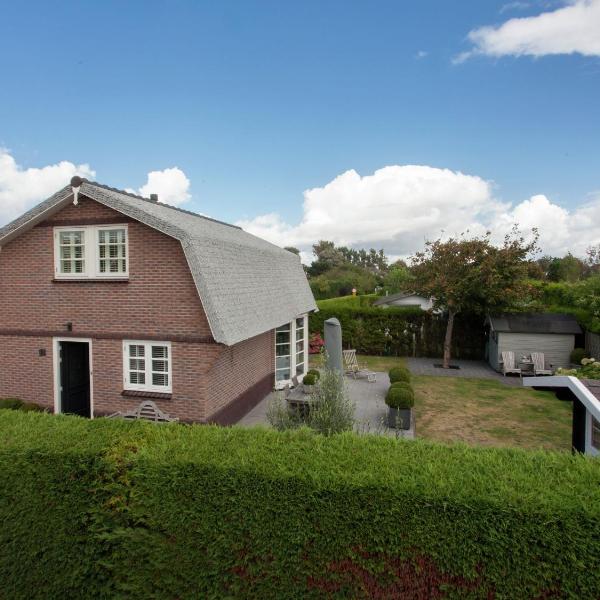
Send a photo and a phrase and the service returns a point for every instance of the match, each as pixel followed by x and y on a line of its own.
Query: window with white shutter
pixel 96 252
pixel 147 366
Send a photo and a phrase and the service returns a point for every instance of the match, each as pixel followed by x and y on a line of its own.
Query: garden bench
pixel 148 411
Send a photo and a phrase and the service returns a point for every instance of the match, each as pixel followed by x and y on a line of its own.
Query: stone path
pixel 468 368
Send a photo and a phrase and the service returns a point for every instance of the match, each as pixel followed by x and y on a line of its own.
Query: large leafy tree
pixel 470 274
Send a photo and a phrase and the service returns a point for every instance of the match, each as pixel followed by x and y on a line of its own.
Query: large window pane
pixel 112 251
pixel 72 251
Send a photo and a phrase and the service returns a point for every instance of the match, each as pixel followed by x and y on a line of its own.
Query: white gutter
pixel 591 403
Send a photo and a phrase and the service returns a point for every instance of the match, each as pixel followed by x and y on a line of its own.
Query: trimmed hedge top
pixel 134 509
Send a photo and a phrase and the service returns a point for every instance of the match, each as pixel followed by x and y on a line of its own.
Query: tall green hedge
pixel 108 509
pixel 401 331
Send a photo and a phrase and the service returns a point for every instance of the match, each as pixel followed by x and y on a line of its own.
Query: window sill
pixel 91 280
pixel 142 394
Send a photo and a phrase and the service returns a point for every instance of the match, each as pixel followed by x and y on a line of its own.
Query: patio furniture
pixel 296 399
pixel 148 411
pixel 352 367
pixel 539 364
pixel 508 363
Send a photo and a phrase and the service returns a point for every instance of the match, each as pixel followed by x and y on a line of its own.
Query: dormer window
pixel 91 252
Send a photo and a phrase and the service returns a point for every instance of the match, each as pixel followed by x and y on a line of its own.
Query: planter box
pixel 308 389
pixel 399 418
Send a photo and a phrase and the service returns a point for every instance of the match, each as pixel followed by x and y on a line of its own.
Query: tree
pixel 398 278
pixel 472 275
pixel 568 268
pixel 292 249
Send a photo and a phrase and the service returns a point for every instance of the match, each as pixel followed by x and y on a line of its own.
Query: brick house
pixel 108 298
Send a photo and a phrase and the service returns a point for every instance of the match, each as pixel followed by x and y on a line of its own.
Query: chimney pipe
pixel 154 197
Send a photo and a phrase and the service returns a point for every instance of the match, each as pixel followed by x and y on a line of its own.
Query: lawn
pixel 484 411
pixel 488 413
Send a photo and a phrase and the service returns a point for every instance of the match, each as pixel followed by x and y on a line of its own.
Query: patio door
pixel 291 351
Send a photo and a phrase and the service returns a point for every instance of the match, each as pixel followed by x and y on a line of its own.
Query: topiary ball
pixel 399 374
pixel 314 372
pixel 309 379
pixel 400 397
pixel 401 384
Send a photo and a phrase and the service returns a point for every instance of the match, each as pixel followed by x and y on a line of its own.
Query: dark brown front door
pixel 75 378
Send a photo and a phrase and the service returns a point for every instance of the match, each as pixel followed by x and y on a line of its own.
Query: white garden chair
pixel 508 364
pixel 539 364
pixel 352 367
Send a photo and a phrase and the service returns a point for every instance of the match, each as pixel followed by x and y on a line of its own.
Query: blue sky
pixel 257 102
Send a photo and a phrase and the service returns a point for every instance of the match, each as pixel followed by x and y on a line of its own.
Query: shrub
pixel 400 397
pixel 331 409
pixel 577 354
pixel 16 404
pixel 399 374
pixel 316 343
pixel 314 372
pixel 32 407
pixel 11 403
pixel 113 509
pixel 309 379
pixel 279 415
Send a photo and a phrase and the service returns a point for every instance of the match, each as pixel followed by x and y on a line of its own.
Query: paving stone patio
pixel 468 368
pixel 370 411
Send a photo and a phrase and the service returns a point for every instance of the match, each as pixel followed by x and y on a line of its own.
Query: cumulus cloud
pixel 21 188
pixel 171 185
pixel 399 207
pixel 574 28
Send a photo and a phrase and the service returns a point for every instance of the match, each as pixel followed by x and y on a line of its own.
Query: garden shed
pixel 524 333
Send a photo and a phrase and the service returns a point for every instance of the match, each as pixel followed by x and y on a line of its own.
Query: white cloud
pixel 574 28
pixel 399 207
pixel 171 185
pixel 21 188
pixel 421 54
pixel 510 6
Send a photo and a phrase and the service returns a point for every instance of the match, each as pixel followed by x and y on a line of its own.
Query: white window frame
pixel 147 387
pixel 293 363
pixel 91 252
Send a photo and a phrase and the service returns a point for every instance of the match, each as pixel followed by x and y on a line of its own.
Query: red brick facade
pixel 158 301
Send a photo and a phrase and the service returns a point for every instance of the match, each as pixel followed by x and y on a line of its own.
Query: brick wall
pixel 239 368
pixel 159 301
pixel 23 373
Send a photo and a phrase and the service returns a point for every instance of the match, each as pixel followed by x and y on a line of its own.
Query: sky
pixel 368 123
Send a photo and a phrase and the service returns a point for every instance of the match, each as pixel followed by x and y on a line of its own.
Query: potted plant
pixel 314 372
pixel 308 383
pixel 400 399
pixel 399 374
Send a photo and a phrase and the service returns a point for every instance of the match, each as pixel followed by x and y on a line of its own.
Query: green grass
pixel 489 413
pixel 482 412
pixel 374 363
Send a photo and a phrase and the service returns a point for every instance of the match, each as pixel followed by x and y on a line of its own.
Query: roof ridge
pixel 138 197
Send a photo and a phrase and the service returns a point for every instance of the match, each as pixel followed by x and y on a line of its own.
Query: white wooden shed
pixel 524 333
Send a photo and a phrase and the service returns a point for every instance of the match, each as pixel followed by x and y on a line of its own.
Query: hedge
pixel 105 509
pixel 401 331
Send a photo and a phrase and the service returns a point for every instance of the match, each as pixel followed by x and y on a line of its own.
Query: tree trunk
pixel 448 339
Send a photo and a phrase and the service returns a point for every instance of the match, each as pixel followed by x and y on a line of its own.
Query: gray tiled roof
pixel 246 284
pixel 535 323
